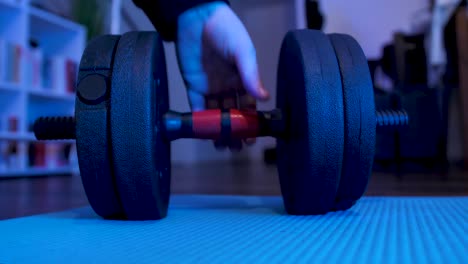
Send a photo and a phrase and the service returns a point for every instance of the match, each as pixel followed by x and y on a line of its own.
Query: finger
pixel 229 101
pixel 212 101
pixel 246 62
pixel 247 101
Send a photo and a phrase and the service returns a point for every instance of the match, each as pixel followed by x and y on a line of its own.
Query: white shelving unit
pixel 36 80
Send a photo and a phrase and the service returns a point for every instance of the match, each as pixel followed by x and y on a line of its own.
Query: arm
pixel 216 56
pixel 164 14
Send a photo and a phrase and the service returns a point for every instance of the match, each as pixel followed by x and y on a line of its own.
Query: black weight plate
pixel 359 116
pixel 139 99
pixel 310 95
pixel 92 127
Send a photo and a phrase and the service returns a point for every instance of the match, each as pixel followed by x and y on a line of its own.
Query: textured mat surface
pixel 236 229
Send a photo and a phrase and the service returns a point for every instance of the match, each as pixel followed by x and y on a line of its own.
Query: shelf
pixel 17 136
pixel 46 21
pixel 55 35
pixel 10 5
pixel 49 94
pixel 38 172
pixel 29 136
pixel 10 87
pixel 56 38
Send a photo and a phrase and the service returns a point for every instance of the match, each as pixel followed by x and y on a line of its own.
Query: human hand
pixel 217 60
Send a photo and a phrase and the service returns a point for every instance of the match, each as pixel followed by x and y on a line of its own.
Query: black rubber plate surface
pixel 139 99
pixel 359 119
pixel 92 129
pixel 310 94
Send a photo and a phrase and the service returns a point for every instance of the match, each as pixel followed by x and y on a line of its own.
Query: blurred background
pixel 417 52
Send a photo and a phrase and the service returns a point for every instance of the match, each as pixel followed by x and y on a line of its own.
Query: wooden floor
pixel 28 196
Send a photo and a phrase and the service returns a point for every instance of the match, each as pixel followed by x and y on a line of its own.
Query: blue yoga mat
pixel 242 229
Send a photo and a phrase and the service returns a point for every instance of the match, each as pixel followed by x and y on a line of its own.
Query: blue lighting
pixel 236 229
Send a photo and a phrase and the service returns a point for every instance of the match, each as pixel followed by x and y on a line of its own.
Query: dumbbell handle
pixel 227 124
pixel 209 124
pixel 55 128
pixel 237 124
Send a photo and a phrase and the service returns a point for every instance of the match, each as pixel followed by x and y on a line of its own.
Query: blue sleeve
pixel 163 14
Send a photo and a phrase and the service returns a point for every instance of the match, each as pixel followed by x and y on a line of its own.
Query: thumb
pixel 246 63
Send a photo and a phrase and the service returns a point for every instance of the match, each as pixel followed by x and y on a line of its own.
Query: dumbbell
pixel 325 124
pixel 209 124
